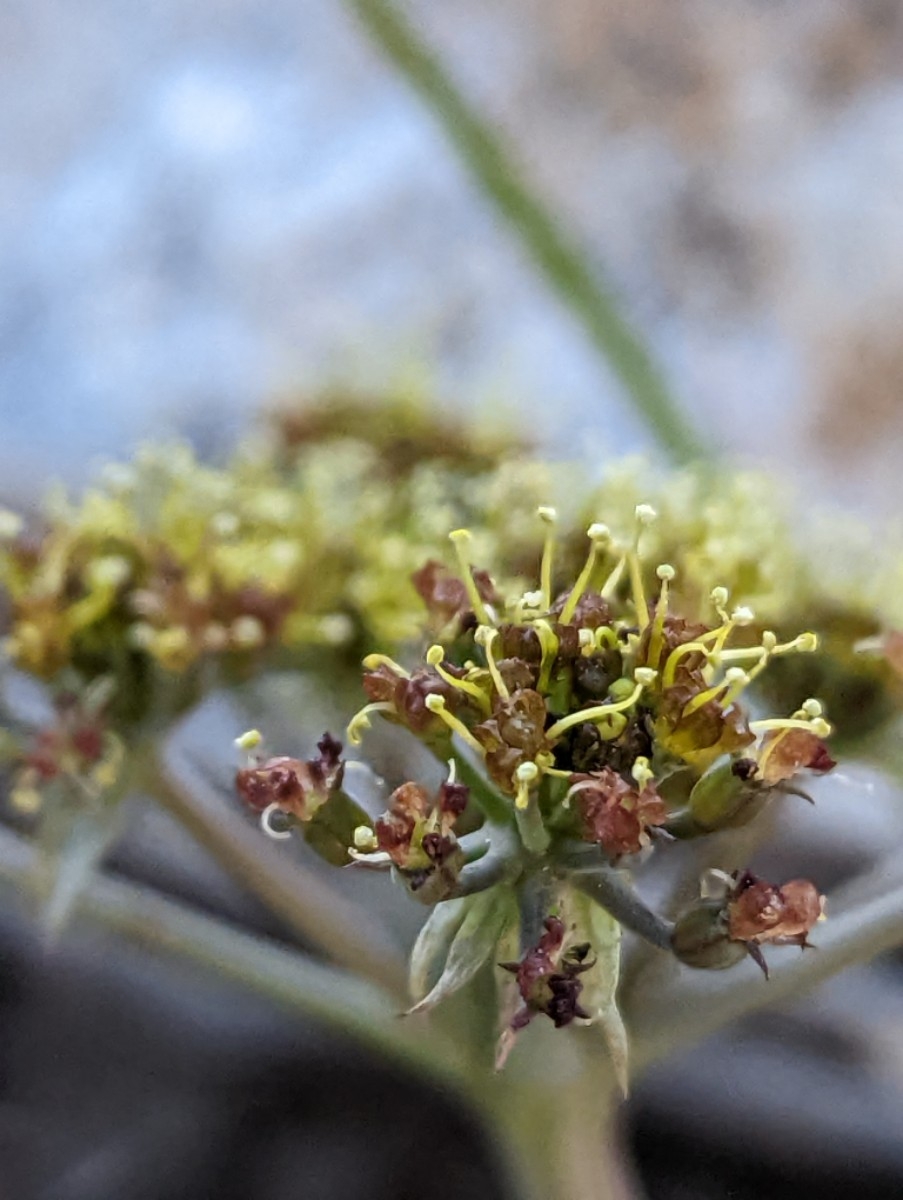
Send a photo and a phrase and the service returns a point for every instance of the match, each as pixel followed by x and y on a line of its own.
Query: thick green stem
pixel 533 832
pixel 322 915
pixel 561 261
pixel 611 890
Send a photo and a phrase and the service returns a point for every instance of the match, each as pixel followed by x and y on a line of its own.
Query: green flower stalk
pixel 586 725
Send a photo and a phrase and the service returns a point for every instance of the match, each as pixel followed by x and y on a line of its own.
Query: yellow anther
pixel 665 572
pixel 599 537
pixel 247 632
pixel 525 776
pixel 549 643
pixel 807 643
pixel 645 514
pixel 436 705
pixel 461 539
pixel 249 740
pixel 719 597
pixel 364 839
pixel 742 616
pixel 813 708
pixel 645 676
pixel 642 772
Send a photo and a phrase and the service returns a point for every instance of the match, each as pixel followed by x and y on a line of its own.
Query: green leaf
pixel 486 917
pixel 600 985
pixel 433 944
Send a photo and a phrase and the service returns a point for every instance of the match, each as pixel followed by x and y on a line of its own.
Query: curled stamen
pixel 361 720
pixel 485 636
pixel 266 825
pixel 644 676
pixel 372 661
pixel 549 518
pixel 549 643
pixel 435 657
pixel 525 775
pixel 599 537
pixel 461 540
pixel 436 704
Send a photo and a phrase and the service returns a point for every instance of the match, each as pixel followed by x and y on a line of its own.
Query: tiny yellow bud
pixel 547 514
pixel 364 839
pixel 645 514
pixel 645 676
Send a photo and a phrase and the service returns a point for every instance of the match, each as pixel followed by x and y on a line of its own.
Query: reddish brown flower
pixel 514 734
pixel 417 834
pixel 763 912
pixel 784 752
pixel 614 813
pixel 296 787
pixel 548 978
pixel 407 694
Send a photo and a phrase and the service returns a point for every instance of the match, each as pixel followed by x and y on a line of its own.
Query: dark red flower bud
pixel 296 787
pixel 547 978
pixel 614 813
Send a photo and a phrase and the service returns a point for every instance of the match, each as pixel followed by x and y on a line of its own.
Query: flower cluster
pixel 590 722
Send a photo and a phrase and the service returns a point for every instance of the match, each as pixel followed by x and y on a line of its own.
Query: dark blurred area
pixel 206 205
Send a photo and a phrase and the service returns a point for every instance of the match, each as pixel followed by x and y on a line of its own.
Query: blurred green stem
pixel 562 262
pixel 295 982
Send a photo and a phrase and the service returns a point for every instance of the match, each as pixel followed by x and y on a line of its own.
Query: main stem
pixel 561 261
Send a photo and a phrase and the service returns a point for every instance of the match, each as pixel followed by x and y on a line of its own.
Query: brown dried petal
pixel 614 814
pixel 785 751
pixel 762 912
pixel 283 781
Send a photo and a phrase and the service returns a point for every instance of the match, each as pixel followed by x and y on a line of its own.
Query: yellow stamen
pixel 599 537
pixel 734 681
pixel 645 515
pixel 435 657
pixel 549 643
pixel 665 573
pixel 361 720
pixel 549 518
pixel 643 675
pixel 610 586
pixel 819 726
pixel 525 775
pixel 642 773
pixel 436 705
pixel 484 637
pixel 372 661
pixel 461 540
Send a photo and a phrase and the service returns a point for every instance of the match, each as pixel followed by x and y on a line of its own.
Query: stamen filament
pixel 597 713
pixel 549 517
pixel 610 586
pixel 599 536
pixel 525 776
pixel 461 539
pixel 372 661
pixel 361 720
pixel 435 657
pixel 485 636
pixel 819 726
pixel 436 704
pixel 665 573
pixel 549 643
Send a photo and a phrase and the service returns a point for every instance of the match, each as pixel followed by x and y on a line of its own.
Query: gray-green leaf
pixel 486 916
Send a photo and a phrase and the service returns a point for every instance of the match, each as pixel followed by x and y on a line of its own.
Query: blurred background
pixel 204 207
